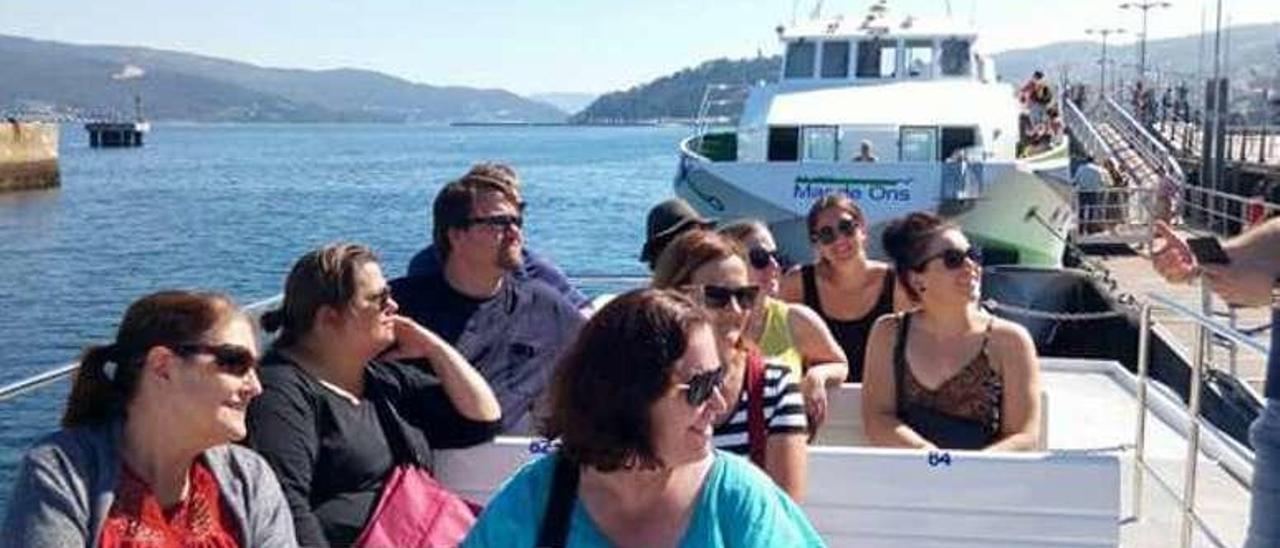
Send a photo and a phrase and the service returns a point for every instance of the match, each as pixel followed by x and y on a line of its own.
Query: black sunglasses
pixel 498 221
pixel 953 258
pixel 715 296
pixel 761 257
pixel 231 358
pixel 827 235
pixel 382 299
pixel 701 386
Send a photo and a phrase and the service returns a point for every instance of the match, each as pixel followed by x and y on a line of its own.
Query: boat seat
pixel 862 496
pixel 844 425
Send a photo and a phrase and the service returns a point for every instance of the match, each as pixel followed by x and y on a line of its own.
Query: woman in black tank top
pixel 838 232
pixel 947 374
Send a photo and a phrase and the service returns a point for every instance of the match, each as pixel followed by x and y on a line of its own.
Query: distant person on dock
pixel 1090 180
pixel 511 329
pixel 632 405
pixel 847 290
pixel 668 219
pixel 947 374
pixel 533 266
pixel 1251 279
pixel 789 333
pixel 145 455
pixel 865 153
pixel 765 418
pixel 337 405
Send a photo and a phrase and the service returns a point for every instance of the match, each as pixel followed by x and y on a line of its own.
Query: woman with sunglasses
pixel 144 456
pixel 333 407
pixel 847 290
pixel 947 374
pixel 766 417
pixel 632 403
pixel 788 333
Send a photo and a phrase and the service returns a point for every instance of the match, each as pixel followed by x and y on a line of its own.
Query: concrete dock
pixel 1135 276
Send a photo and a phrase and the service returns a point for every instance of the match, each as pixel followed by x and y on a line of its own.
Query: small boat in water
pixel 925 101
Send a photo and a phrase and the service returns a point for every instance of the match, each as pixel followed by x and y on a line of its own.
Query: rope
pixel 993 304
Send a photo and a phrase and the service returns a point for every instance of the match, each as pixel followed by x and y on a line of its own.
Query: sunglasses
pixel 761 257
pixel 498 221
pixel 718 297
pixel 231 358
pixel 827 235
pixel 954 258
pixel 701 386
pixel 382 299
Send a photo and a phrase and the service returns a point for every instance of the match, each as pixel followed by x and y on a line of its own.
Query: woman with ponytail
pixel 765 418
pixel 144 454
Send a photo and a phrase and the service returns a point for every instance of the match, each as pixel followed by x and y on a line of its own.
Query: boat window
pixel 955 58
pixel 919 58
pixel 800 58
pixel 957 139
pixel 835 59
pixel 821 143
pixel 877 59
pixel 784 144
pixel 919 144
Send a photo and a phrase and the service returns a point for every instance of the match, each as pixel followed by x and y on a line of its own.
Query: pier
pixel 28 156
pixel 116 134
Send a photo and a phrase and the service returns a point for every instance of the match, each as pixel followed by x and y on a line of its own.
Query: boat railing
pixel 591 283
pixel 1206 327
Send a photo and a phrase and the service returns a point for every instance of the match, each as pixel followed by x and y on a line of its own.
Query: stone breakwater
pixel 28 156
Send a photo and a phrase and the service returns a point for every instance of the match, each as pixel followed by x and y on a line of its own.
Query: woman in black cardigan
pixel 317 421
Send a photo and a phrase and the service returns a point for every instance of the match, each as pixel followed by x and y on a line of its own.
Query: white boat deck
pixel 1076 494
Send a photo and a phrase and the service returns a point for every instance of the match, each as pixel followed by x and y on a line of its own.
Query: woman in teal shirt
pixel 633 404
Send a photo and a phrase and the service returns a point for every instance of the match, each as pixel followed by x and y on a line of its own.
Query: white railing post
pixel 1140 437
pixel 1202 344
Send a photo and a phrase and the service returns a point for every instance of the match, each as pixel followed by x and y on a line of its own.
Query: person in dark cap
pixel 668 219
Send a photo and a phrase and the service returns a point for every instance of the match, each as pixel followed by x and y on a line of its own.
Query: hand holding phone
pixel 1208 251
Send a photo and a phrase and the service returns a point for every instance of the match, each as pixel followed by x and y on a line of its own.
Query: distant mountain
pixel 677 95
pixel 77 80
pixel 568 102
pixel 1254 65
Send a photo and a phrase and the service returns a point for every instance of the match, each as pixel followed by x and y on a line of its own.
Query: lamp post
pixel 1102 78
pixel 1145 6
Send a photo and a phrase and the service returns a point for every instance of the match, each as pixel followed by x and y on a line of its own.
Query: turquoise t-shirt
pixel 739 506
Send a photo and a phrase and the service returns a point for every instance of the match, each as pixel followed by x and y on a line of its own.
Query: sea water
pixel 230 207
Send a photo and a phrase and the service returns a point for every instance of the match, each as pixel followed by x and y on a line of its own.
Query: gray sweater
pixel 67 483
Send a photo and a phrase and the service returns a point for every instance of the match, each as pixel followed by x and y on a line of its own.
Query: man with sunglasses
pixel 533 266
pixel 511 329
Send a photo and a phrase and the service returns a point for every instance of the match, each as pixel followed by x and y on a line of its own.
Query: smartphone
pixel 1208 251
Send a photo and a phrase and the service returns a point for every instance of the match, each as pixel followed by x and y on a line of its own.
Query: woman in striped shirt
pixel 767 419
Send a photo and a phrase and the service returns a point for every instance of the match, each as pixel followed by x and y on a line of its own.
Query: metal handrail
pixel 256 309
pixel 1146 144
pixel 1084 131
pixel 1205 325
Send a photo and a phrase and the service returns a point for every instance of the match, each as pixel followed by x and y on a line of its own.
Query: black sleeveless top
pixel 961 413
pixel 850 334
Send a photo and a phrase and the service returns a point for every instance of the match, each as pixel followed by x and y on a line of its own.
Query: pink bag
pixel 415 510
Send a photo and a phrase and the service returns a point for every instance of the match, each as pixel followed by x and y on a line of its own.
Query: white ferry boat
pixel 926 99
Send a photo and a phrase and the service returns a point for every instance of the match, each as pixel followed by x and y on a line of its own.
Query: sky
pixel 539 46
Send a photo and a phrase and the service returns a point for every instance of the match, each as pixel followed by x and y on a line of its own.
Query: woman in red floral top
pixel 143 458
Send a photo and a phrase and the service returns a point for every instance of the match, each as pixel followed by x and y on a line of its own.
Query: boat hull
pixel 990 202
